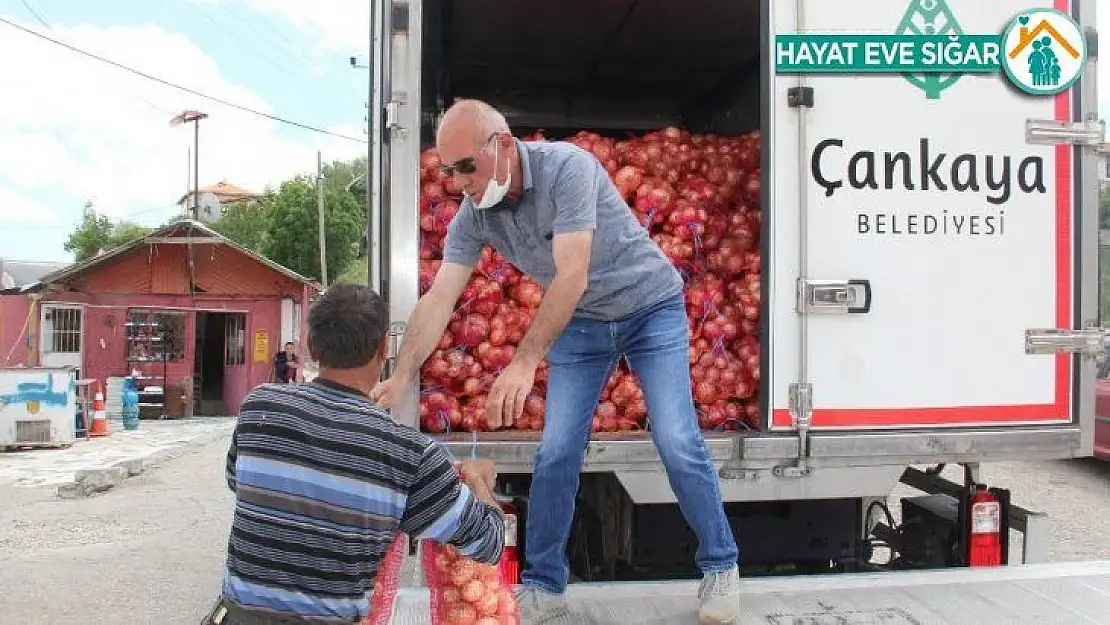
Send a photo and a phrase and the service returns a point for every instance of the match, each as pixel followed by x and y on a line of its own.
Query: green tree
pixel 356 273
pixel 291 237
pixel 125 232
pixel 98 233
pixel 1104 207
pixel 246 223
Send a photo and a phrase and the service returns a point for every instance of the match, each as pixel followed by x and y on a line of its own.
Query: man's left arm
pixel 575 195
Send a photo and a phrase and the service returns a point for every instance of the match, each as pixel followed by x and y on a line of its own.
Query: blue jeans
pixel 656 342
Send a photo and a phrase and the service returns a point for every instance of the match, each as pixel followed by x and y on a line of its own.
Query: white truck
pixel 929 289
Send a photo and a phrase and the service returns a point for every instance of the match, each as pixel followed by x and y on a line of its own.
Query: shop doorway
pixel 208 364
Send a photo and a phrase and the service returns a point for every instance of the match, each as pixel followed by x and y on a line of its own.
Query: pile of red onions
pixel 699 196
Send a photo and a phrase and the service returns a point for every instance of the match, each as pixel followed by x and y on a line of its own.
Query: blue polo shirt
pixel 566 189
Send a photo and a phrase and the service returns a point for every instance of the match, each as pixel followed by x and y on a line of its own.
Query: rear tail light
pixel 985 543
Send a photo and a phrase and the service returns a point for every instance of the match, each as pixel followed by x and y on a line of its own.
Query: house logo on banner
pixel 1045 52
pixel 1041 51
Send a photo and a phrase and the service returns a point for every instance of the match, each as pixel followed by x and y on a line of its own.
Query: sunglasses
pixel 465 165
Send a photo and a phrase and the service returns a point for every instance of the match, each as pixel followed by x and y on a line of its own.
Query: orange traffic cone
pixel 99 426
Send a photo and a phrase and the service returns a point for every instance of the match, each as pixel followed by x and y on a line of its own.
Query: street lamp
pixel 194 117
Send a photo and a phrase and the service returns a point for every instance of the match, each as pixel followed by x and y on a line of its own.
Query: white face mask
pixel 495 192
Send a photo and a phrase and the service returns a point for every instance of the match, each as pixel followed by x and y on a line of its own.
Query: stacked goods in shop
pixel 699 197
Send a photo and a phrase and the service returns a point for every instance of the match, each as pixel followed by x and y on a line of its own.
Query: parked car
pixel 1102 411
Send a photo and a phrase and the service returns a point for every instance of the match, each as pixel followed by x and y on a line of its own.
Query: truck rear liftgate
pixel 1056 594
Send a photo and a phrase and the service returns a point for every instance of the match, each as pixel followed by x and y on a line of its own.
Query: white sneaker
pixel 720 597
pixel 537 606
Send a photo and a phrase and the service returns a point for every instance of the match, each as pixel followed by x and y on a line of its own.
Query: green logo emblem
pixel 1045 52
pixel 930 17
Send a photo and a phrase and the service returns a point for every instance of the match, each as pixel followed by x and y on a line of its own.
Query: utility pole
pixel 188 174
pixel 320 218
pixel 196 168
pixel 193 117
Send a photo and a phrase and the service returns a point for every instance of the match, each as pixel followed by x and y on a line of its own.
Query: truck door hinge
pixel 396 332
pixel 392 114
pixel 1090 342
pixel 799 96
pixel 800 403
pixel 399 22
pixel 834 296
pixel 1090 132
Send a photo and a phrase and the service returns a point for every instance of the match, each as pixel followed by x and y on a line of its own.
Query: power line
pixel 35 13
pixel 42 20
pixel 179 87
pixel 289 46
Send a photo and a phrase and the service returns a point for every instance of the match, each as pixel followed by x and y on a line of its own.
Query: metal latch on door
pixel 834 296
pixel 1090 342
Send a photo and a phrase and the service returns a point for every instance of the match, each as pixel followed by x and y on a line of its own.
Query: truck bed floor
pixel 1062 593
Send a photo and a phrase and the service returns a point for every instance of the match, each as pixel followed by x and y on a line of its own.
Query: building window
pixel 65 333
pixel 155 335
pixel 235 339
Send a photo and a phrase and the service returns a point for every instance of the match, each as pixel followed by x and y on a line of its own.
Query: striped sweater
pixel 323 482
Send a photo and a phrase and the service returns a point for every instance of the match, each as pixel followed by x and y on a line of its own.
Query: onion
pixel 699 196
pixel 628 179
pixel 528 293
pixel 465 591
pixel 472 330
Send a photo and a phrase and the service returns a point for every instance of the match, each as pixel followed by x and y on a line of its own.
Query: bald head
pixel 475 143
pixel 472 120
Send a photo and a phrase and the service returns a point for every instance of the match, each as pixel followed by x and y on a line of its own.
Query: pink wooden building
pixel 197 315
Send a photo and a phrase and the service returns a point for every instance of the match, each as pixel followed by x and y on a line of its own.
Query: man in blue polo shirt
pixel 551 209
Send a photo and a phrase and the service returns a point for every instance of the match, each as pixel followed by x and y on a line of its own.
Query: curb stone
pixel 88 482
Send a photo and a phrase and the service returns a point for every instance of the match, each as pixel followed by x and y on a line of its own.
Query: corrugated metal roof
pixel 18 273
pixel 182 228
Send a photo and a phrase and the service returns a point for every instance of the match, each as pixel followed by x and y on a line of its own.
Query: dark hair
pixel 346 326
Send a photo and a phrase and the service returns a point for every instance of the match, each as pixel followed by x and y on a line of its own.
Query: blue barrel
pixel 130 404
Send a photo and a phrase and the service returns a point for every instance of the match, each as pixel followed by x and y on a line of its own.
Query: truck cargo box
pixel 930 229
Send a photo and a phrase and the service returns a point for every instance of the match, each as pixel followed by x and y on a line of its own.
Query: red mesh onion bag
pixel 387 581
pixel 465 592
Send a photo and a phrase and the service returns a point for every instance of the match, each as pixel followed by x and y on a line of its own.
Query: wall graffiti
pixel 36 394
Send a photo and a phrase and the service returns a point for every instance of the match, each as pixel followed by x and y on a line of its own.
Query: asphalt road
pixel 148 551
pixel 151 550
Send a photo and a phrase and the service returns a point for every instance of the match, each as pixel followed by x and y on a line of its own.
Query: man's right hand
pixel 481 476
pixel 388 392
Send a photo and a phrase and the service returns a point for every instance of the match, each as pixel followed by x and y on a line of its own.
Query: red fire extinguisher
pixel 509 567
pixel 985 537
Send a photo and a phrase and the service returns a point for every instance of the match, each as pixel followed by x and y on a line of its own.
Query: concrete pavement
pixel 147 551
pixel 98 463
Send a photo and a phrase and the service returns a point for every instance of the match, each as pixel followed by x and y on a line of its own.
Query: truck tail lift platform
pixel 1061 594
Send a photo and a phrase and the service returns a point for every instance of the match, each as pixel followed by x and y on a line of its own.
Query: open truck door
pixel 935 240
pixel 395 142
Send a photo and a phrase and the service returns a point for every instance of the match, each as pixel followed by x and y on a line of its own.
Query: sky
pixel 73 129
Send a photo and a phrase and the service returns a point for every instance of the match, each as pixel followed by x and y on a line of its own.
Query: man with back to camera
pixel 552 210
pixel 324 479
